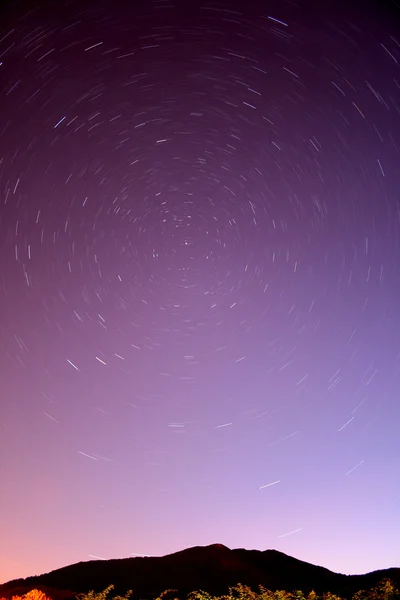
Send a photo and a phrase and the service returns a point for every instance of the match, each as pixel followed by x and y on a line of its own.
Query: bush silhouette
pixel 385 590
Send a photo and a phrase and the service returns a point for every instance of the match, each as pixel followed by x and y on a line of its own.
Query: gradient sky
pixel 199 281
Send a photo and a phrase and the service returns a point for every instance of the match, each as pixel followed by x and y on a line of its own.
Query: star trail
pixel 199 280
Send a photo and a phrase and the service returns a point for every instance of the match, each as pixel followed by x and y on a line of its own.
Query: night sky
pixel 199 280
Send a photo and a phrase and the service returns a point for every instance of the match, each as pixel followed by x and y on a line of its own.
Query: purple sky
pixel 199 281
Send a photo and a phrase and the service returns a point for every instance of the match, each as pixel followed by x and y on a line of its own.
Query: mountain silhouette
pixel 212 569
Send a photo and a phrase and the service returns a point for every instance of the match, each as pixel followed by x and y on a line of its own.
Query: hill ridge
pixel 213 568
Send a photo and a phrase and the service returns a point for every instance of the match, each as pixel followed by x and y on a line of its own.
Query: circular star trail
pixel 199 250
